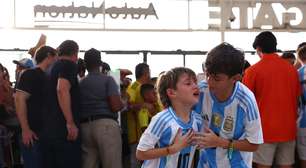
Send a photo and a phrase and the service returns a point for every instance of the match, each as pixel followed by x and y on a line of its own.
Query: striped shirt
pixel 237 119
pixel 302 106
pixel 161 133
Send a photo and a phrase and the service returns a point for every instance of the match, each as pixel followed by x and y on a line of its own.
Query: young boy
pixel 229 110
pixel 146 113
pixel 301 136
pixel 165 143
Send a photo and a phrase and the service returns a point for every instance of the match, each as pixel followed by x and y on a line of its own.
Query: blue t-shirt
pixel 161 133
pixel 237 119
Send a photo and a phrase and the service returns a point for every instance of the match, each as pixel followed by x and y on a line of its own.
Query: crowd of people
pixel 64 111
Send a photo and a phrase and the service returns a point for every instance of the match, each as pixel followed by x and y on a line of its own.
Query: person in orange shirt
pixel 275 84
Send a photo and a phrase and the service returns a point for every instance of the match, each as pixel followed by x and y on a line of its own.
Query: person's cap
pixel 25 63
pixel 92 57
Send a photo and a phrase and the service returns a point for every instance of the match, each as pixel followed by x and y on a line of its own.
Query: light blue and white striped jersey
pixel 237 119
pixel 161 133
pixel 302 106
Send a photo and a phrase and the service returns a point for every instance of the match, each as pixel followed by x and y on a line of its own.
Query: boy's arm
pixel 211 140
pixel 155 153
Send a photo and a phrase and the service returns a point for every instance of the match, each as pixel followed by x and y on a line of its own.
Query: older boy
pixel 231 118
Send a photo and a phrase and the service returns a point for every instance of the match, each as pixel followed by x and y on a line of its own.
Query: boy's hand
pixel 207 140
pixel 181 141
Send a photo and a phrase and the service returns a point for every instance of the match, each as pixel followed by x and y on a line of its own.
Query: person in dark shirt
pixel 29 101
pixel 61 142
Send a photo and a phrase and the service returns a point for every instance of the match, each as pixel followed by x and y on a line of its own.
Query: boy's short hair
pixel 43 52
pixel 68 48
pixel 266 41
pixel 145 88
pixel 225 59
pixel 168 80
pixel 301 52
pixel 140 70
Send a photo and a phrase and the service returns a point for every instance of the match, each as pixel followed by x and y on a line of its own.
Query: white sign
pixel 163 14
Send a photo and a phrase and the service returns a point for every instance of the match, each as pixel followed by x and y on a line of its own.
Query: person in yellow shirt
pixel 135 101
pixel 147 112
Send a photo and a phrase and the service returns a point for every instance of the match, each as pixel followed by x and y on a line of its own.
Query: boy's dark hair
pixel 266 41
pixel 140 69
pixel 68 48
pixel 301 52
pixel 43 52
pixel 225 59
pixel 288 55
pixel 145 88
pixel 168 80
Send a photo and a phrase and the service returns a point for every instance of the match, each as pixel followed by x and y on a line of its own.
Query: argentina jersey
pixel 161 133
pixel 302 106
pixel 236 119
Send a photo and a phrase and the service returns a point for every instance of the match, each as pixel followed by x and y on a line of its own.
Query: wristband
pixel 230 149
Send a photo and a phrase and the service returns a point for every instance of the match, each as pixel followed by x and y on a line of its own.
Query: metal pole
pixel 145 56
pixel 222 25
pixel 184 59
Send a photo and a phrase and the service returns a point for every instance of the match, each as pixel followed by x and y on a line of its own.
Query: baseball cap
pixel 92 57
pixel 25 63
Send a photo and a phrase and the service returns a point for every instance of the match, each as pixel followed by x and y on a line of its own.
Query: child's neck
pixel 182 111
pixel 226 94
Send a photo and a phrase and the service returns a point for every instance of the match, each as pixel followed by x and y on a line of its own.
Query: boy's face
pixel 187 91
pixel 150 96
pixel 221 85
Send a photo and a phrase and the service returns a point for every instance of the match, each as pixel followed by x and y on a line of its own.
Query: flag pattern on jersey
pixel 302 105
pixel 161 133
pixel 237 118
